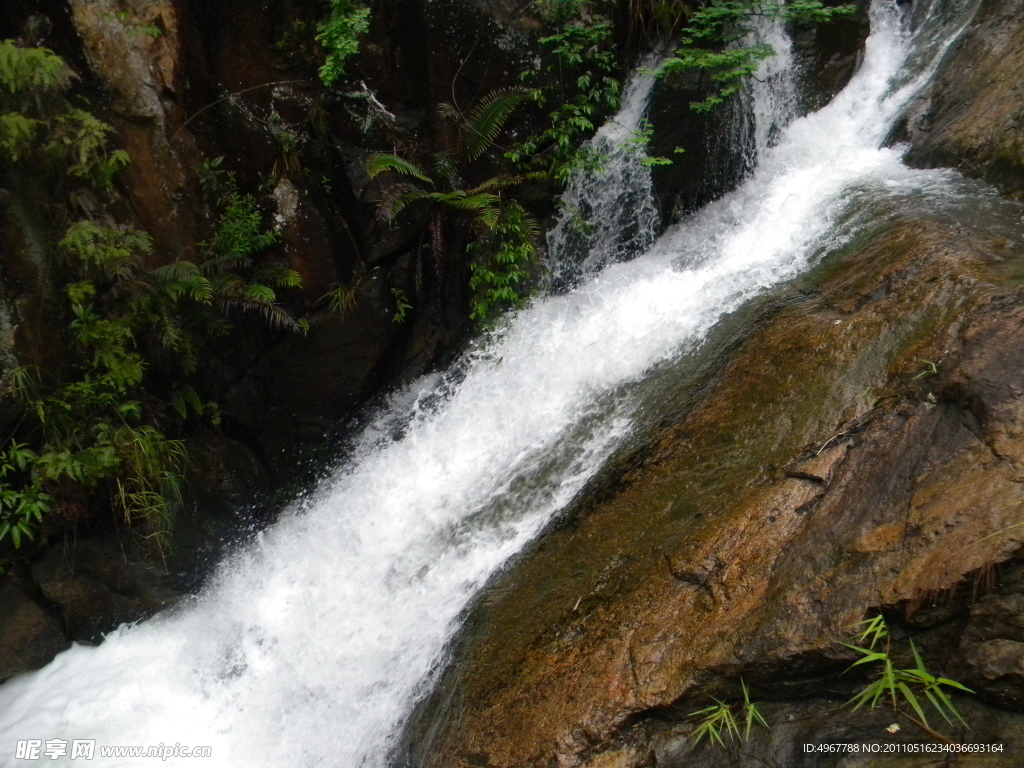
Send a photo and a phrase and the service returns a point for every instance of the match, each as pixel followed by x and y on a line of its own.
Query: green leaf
pixel 377 164
pixel 339 35
pixel 910 697
pixel 487 118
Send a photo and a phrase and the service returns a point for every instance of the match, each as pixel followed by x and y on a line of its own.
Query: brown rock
pixel 705 559
pixel 30 636
pixel 97 587
pixel 971 116
pixel 135 50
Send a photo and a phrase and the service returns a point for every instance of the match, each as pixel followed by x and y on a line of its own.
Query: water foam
pixel 312 643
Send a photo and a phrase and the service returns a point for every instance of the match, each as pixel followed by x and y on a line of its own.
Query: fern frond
pixel 169 273
pixel 444 168
pixel 396 199
pixel 273 315
pixel 487 118
pixel 278 276
pixel 182 278
pixel 382 163
pixel 111 253
pixel 227 285
pixel 448 111
pixel 483 206
pixel 501 181
pixel 31 69
pixel 225 263
pixel 260 294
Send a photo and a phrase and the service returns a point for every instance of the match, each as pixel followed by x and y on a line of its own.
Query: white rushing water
pixel 311 644
pixel 609 215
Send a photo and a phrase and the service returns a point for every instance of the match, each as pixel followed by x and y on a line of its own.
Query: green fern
pixel 31 70
pixel 376 164
pixel 79 137
pixel 105 253
pixel 487 119
pixel 18 135
pixel 37 123
pixel 497 270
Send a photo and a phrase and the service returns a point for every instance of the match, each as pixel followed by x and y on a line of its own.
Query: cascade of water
pixel 773 93
pixel 608 215
pixel 313 642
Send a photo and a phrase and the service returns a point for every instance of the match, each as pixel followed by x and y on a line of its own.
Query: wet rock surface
pixel 30 634
pixel 971 116
pixel 98 584
pixel 858 449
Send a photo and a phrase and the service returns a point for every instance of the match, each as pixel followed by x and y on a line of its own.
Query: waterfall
pixel 312 643
pixel 608 215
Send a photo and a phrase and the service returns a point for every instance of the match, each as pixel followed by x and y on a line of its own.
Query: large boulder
pixel 860 448
pixel 30 634
pixel 99 584
pixel 972 116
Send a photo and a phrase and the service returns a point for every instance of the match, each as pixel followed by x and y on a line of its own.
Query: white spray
pixel 310 646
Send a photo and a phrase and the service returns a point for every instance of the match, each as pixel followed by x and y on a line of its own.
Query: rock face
pixel 972 117
pixel 30 636
pixel 861 448
pixel 710 151
pixel 96 587
pixel 134 49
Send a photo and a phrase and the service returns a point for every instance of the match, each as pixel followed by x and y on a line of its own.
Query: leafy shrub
pixel 339 35
pixel 37 125
pixel 98 432
pixel 501 261
pixel 580 60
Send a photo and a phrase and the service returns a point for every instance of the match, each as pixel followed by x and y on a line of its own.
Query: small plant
pixel 930 369
pixel 581 62
pixel 214 179
pixel 717 722
pixel 339 35
pixel 341 299
pixel 21 508
pixel 39 128
pixel 714 722
pixel 402 306
pixel 908 685
pixel 638 142
pixel 501 261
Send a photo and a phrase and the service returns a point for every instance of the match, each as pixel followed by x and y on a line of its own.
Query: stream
pixel 312 643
